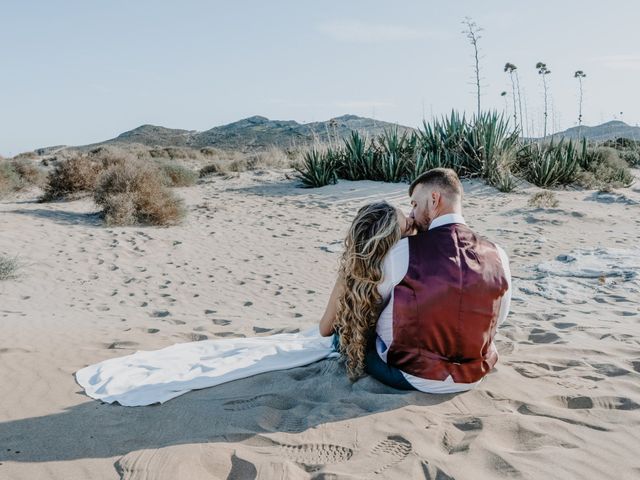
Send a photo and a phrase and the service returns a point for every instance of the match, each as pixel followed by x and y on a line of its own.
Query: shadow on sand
pixel 284 401
pixel 62 217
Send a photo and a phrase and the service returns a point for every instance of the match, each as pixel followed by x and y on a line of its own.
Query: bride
pixel 363 289
pixel 347 328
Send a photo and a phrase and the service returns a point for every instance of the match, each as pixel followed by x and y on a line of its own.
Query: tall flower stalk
pixel 543 71
pixel 472 32
pixel 580 75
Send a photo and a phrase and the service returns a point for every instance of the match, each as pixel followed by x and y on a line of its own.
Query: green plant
pixel 10 180
pixel 490 145
pixel 318 168
pixel 632 157
pixel 548 165
pixel 175 175
pixel 356 161
pixel 393 152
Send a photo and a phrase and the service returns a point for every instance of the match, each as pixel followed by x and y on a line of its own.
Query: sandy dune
pixel 258 256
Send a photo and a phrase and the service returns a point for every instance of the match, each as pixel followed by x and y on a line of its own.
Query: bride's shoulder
pixel 401 247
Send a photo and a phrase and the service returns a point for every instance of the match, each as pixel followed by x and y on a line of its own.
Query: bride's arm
pixel 328 319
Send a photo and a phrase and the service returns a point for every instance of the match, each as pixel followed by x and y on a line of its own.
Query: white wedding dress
pixel 148 377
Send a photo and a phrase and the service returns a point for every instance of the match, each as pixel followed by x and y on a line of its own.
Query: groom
pixel 436 333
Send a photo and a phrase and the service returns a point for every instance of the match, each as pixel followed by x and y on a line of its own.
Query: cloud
pixel 359 32
pixel 620 62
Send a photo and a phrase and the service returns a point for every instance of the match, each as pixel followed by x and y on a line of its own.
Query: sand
pixel 258 256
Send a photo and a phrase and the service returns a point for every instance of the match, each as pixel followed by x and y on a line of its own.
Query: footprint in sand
pixel 121 344
pixel 221 322
pixel 607 403
pixel 382 456
pixel 466 431
pixel 313 456
pixel 538 335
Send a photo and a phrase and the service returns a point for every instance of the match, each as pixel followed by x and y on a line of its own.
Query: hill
pixel 250 134
pixel 607 131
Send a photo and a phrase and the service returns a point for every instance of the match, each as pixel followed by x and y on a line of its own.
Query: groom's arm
pixel 329 318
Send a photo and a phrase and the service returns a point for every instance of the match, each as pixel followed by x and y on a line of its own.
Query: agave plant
pixel 444 139
pixel 551 164
pixel 357 162
pixel 318 168
pixel 489 144
pixel 393 152
pixel 424 161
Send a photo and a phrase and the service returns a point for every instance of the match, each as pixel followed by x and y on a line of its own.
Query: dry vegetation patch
pixel 544 199
pixel 133 192
pixel 8 267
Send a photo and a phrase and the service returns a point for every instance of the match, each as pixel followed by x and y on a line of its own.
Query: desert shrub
pixel 500 176
pixel 605 170
pixel 209 151
pixel 211 169
pixel 72 176
pixel 10 180
pixel 272 158
pixel 175 175
pixel 18 174
pixel 8 267
pixel 632 157
pixel 544 199
pixel 135 193
pixel 318 169
pixel 26 156
pixel 29 172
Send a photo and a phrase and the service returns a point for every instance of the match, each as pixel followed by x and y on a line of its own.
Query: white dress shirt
pixel 394 269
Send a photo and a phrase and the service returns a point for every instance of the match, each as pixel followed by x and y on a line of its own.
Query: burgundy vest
pixel 446 308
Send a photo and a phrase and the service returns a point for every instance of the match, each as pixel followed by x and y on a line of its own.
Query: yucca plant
pixel 318 168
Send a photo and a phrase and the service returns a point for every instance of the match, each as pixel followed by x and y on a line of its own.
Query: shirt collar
pixel 447 219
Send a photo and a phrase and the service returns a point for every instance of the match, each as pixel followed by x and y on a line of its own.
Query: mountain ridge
pixel 259 133
pixel 251 133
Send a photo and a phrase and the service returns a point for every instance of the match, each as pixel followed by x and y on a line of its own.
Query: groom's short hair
pixel 444 178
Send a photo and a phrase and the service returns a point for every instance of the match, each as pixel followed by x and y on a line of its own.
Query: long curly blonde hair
pixel 373 232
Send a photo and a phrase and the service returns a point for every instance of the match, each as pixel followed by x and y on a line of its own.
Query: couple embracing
pixel 418 299
pixel 416 305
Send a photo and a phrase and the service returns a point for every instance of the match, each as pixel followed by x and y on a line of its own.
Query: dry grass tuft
pixel 176 175
pixel 8 267
pixel 544 199
pixel 135 193
pixel 16 175
pixel 211 169
pixel 70 177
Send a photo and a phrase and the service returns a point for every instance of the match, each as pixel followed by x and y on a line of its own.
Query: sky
pixel 77 72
